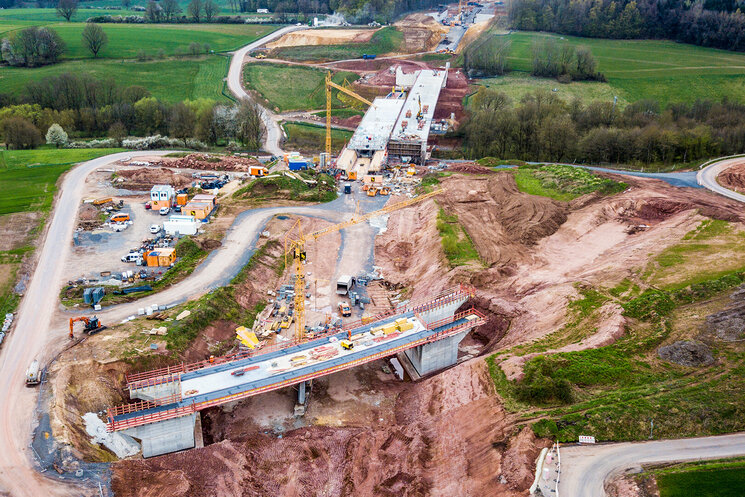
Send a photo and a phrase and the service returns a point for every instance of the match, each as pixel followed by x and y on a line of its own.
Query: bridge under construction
pixel 168 400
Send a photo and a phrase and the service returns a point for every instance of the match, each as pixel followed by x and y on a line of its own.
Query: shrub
pixel 651 305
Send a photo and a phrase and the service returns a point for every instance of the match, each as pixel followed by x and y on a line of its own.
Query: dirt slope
pixel 431 447
pixel 421 32
pixel 323 37
pixel 733 178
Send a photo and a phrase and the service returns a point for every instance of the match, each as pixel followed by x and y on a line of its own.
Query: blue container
pixel 297 165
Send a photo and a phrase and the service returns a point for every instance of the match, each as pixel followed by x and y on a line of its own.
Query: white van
pixel 132 257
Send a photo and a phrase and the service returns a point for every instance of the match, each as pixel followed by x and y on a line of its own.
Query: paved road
pixel 273 136
pixel 707 177
pixel 584 469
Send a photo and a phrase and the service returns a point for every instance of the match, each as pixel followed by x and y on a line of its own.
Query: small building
pixel 182 199
pixel 162 196
pixel 297 164
pixel 200 210
pixel 162 257
pixel 204 198
pixel 181 225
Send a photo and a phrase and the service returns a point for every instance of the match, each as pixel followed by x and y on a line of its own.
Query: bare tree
pixel 153 11
pixel 170 9
pixel 94 38
pixel 195 9
pixel 210 10
pixel 67 8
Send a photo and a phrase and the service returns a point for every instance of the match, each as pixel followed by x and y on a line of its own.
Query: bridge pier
pixel 433 356
pixel 169 435
pixel 158 391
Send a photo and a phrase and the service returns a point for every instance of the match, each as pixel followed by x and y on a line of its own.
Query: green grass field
pixel 289 88
pixel 312 139
pixel 635 69
pixel 383 41
pixel 187 78
pixel 704 479
pixel 28 177
pixel 170 79
pixel 563 183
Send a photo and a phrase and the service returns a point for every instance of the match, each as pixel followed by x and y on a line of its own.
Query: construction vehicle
pixel 260 56
pixel 295 248
pixel 92 325
pixel 33 374
pixel 347 188
pixel 386 190
pixel 367 56
pixel 344 309
pixel 347 344
pixel 329 85
pixel 372 191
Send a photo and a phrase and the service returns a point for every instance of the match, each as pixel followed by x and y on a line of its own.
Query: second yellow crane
pixel 295 248
pixel 329 85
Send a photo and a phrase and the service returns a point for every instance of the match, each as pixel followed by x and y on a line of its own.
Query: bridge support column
pixel 434 356
pixel 156 391
pixel 162 437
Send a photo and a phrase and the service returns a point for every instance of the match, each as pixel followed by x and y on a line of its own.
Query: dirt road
pixel 273 135
pixel 31 339
pixel 38 336
pixel 584 469
pixel 707 177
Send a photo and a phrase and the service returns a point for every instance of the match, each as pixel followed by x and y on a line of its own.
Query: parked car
pixel 164 211
pixel 154 229
pixel 177 208
pixel 148 205
pixel 132 257
pixel 119 218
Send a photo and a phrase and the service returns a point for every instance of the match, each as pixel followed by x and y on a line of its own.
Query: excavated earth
pixel 425 443
pixel 145 177
pixel 733 178
pixel 421 32
pixel 203 162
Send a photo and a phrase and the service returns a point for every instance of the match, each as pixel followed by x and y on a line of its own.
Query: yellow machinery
pixel 329 85
pixel 295 248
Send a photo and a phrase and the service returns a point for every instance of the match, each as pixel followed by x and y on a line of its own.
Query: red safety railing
pixel 143 405
pixel 147 418
pixel 172 373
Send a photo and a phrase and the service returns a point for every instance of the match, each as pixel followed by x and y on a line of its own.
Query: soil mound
pixel 421 32
pixel 687 353
pixel 144 178
pixel 500 220
pixel 733 178
pixel 323 37
pixel 470 168
pixel 209 162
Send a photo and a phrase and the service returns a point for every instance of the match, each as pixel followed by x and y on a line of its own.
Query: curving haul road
pixel 707 177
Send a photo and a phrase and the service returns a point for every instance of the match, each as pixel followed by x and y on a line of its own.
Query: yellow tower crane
pixel 329 85
pixel 295 248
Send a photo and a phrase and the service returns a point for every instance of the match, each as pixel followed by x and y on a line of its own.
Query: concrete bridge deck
pixel 177 393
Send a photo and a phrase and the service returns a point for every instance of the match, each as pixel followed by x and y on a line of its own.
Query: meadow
pixel 309 138
pixel 28 177
pixel 635 69
pixel 724 478
pixel 288 88
pixel 188 77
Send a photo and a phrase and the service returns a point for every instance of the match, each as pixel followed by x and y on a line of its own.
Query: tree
pixel 94 38
pixel 56 136
pixel 170 9
pixel 195 9
pixel 248 124
pixel 34 46
pixel 118 132
pixel 67 8
pixel 210 10
pixel 19 133
pixel 153 11
pixel 126 3
pixel 182 122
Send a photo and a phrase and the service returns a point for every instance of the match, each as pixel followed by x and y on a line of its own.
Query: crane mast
pixel 295 248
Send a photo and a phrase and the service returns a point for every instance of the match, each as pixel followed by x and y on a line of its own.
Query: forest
pixel 710 24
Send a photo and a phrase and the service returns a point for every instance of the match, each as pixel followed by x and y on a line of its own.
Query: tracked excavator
pixel 91 325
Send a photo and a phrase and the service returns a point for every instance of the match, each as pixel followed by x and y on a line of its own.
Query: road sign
pixel 585 439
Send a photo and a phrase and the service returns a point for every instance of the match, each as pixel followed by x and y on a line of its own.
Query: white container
pixel 141 311
pixel 148 311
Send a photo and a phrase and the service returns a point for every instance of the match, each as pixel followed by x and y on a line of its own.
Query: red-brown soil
pixel 733 178
pixel 145 177
pixel 427 445
pixel 207 162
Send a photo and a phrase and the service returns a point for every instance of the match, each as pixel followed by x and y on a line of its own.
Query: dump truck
pixel 367 56
pixel 347 187
pixel 33 374
pixel 344 284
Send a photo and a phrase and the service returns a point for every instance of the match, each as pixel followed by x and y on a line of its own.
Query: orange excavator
pixel 92 325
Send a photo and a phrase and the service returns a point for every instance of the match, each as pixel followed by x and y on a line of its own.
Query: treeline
pixel 88 107
pixel 542 127
pixel 706 23
pixel 488 56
